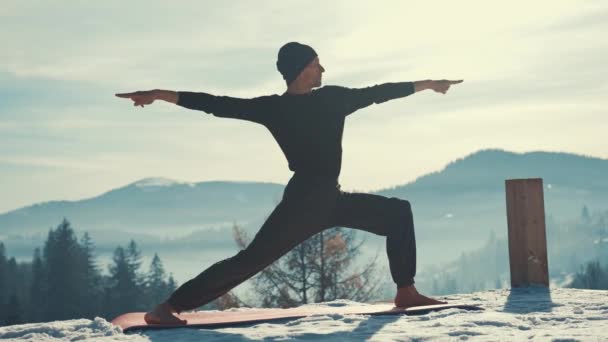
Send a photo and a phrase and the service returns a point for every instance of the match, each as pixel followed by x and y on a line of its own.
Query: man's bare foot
pixel 408 297
pixel 163 314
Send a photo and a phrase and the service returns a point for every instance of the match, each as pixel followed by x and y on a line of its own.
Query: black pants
pixel 309 206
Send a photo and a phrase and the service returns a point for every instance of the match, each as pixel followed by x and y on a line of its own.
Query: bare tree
pixel 319 269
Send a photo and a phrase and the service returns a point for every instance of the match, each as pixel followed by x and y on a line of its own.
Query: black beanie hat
pixel 293 58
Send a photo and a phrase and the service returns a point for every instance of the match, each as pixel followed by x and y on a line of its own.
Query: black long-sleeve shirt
pixel 307 127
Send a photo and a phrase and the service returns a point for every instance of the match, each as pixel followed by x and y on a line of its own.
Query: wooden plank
pixel 527 233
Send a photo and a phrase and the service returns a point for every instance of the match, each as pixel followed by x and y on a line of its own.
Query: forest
pixel 64 281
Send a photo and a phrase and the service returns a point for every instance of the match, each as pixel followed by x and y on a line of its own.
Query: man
pixel 307 124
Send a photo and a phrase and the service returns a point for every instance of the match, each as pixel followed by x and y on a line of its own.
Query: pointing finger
pixel 124 95
pixel 456 82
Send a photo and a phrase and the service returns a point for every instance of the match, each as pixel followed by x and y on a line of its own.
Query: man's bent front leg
pixel 390 217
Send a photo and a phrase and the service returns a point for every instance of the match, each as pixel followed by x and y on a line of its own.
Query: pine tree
pixel 134 262
pixel 124 291
pixel 451 285
pixel 585 217
pixel 155 284
pixel 133 256
pixel 62 255
pixel 14 314
pixel 37 290
pixel 171 285
pixel 91 279
pixel 592 276
pixel 12 276
pixel 3 278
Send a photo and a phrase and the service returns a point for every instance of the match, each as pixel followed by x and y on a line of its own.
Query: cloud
pixel 150 42
pixel 536 65
pixel 593 16
pixel 53 162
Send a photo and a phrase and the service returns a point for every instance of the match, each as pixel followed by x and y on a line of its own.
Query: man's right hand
pixel 140 98
pixel 442 86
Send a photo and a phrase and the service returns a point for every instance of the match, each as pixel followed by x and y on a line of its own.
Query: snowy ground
pixel 519 315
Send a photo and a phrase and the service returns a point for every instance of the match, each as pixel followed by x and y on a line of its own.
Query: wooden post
pixel 527 236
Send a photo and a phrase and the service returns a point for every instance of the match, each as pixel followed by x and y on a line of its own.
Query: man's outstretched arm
pixel 357 98
pixel 221 106
pixel 141 98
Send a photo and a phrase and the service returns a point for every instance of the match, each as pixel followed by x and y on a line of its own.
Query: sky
pixel 538 314
pixel 534 79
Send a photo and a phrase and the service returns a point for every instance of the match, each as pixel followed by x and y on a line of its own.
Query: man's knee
pixel 401 210
pixel 240 261
pixel 400 206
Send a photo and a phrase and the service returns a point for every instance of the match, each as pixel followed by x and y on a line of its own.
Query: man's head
pixel 299 63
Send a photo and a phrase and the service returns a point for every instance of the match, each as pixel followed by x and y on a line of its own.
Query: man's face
pixel 312 74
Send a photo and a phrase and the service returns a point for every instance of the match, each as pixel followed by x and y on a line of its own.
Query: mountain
pixel 455 208
pixel 151 206
pixel 466 200
pixel 486 170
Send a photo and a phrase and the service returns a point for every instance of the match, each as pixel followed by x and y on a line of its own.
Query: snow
pixel 535 313
pixel 156 182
